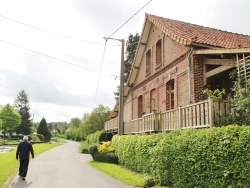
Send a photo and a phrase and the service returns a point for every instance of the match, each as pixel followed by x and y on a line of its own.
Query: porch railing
pixel 199 115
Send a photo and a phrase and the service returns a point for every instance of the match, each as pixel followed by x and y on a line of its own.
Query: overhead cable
pixel 129 19
pixel 68 37
pixel 54 58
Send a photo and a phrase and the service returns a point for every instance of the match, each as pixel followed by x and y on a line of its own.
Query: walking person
pixel 23 151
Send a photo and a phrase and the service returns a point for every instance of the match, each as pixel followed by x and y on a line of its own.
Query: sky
pixel 54 49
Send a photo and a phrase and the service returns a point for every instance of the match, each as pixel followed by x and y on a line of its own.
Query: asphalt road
pixel 64 167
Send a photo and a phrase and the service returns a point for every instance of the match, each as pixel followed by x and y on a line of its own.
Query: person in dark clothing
pixel 23 151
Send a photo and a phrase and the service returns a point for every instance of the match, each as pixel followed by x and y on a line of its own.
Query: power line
pixel 59 35
pixel 129 19
pixel 54 58
pixel 106 39
pixel 100 72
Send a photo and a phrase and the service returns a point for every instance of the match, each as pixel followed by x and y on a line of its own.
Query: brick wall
pixel 173 67
pixel 197 77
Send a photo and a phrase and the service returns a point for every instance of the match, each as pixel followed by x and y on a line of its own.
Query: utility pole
pixel 121 92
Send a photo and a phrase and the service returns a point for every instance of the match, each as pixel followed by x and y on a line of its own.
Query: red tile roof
pixel 186 34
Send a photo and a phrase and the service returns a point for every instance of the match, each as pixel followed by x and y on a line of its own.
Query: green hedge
pixel 217 157
pixel 103 157
pixel 98 137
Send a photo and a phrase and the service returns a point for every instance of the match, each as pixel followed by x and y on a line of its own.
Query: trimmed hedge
pixel 216 157
pixel 109 157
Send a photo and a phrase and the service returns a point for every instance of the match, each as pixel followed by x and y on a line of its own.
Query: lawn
pixel 124 175
pixel 9 164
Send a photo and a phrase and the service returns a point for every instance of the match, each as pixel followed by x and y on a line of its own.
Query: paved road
pixel 64 167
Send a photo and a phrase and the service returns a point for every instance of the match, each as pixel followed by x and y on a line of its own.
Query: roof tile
pixel 182 31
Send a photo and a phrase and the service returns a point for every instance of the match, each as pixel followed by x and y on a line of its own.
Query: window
pixel 153 100
pixel 148 62
pixel 158 53
pixel 140 105
pixel 170 95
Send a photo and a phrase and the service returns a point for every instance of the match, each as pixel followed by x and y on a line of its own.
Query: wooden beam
pixel 222 51
pixel 226 62
pixel 217 71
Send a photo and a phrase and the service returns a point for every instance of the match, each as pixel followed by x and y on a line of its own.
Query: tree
pixel 240 105
pixel 10 119
pixel 21 103
pixel 75 122
pixel 131 46
pixel 95 121
pixel 43 129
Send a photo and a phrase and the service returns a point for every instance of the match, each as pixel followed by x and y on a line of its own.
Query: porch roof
pixel 222 51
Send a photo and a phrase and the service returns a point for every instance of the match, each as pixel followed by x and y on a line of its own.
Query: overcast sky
pixel 54 49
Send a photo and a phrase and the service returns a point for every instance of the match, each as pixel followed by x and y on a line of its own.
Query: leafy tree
pixel 240 105
pixel 95 121
pixel 43 129
pixel 75 122
pixel 21 103
pixel 131 46
pixel 10 119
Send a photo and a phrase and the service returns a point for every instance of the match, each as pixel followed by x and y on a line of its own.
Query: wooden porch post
pixel 211 111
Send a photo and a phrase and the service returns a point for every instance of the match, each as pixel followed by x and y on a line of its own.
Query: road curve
pixel 64 167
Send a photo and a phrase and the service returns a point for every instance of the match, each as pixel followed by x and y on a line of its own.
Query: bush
pixel 40 136
pixel 106 158
pixel 93 150
pixel 85 150
pixel 35 138
pixel 216 157
pixel 106 147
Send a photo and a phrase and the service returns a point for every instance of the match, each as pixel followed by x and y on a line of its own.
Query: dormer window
pixel 158 60
pixel 148 62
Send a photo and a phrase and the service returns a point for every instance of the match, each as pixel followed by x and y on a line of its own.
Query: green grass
pixel 120 173
pixel 9 165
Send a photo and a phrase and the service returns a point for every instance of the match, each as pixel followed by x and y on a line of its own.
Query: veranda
pixel 203 114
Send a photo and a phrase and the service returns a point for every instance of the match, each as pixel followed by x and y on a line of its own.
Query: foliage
pixel 40 136
pixel 94 139
pixel 21 103
pixel 95 121
pixel 240 105
pixel 124 175
pixel 43 129
pixel 107 157
pixel 10 119
pixel 106 147
pixel 75 122
pixel 216 94
pixel 98 137
pixel 131 46
pixel 35 138
pixel 216 157
pixel 92 122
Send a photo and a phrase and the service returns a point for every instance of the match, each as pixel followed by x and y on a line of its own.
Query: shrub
pixel 106 147
pixel 106 158
pixel 216 157
pixel 35 138
pixel 40 136
pixel 93 150
pixel 85 150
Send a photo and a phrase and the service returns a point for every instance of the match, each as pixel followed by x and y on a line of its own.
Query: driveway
pixel 64 167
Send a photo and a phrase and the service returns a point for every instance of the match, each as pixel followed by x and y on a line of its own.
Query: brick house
pixel 174 62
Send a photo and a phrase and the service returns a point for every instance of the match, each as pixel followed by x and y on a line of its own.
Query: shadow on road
pixel 20 183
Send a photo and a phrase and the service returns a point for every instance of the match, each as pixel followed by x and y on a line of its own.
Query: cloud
pixel 61 78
